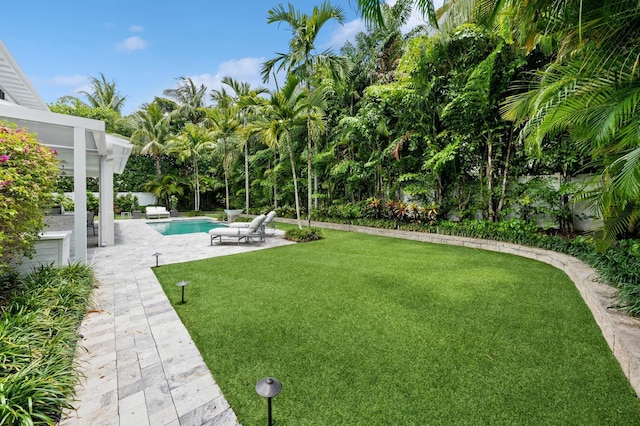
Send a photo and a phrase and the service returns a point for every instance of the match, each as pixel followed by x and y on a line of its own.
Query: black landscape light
pixel 156 254
pixel 268 388
pixel 182 285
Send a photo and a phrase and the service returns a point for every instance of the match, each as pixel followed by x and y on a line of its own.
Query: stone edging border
pixel 621 331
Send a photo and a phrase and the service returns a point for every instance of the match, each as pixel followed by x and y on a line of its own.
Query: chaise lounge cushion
pixel 265 224
pixel 253 230
pixel 156 212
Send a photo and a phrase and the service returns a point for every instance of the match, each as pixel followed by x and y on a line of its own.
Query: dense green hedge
pixel 39 318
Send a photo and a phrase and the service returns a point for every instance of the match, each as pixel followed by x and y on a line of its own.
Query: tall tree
pixel 244 97
pixel 151 134
pixel 286 110
pixel 372 10
pixel 103 94
pixel 223 122
pixel 190 99
pixel 592 91
pixel 301 60
pixel 192 143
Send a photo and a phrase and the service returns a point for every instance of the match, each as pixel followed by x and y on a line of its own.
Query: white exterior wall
pixel 52 247
pixel 144 198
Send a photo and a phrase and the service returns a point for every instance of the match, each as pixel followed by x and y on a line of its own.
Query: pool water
pixel 177 227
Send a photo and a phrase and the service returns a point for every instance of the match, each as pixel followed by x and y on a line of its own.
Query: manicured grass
pixel 365 330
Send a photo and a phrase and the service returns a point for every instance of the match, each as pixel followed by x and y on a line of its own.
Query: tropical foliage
pixel 38 329
pixel 493 116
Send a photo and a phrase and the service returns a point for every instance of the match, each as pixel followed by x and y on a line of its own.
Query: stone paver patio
pixel 139 362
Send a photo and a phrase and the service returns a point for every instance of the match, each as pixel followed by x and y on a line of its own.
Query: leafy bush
pixel 27 174
pixel 93 203
pixel 62 200
pixel 127 203
pixel 38 338
pixel 304 235
pixel 286 211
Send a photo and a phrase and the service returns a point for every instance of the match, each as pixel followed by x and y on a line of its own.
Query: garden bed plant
pixel 39 318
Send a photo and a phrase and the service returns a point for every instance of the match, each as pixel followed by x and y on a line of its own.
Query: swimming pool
pixel 177 227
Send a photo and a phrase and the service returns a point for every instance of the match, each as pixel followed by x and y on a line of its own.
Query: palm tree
pixel 592 91
pixel 103 94
pixel 192 143
pixel 286 110
pixel 223 123
pixel 164 187
pixel 245 99
pixel 190 100
pixel 151 133
pixel 372 10
pixel 301 61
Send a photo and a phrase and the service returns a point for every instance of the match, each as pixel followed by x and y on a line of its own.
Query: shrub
pixel 127 203
pixel 304 235
pixel 62 200
pixel 286 211
pixel 93 203
pixel 38 334
pixel 27 175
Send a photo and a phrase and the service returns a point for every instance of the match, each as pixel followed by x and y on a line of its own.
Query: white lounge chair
pixel 157 212
pixel 267 224
pixel 254 230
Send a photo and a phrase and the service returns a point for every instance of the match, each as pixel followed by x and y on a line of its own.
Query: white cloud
pixel 132 44
pixel 244 70
pixel 136 28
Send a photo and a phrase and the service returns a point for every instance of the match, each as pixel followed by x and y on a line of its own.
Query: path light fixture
pixel 182 285
pixel 268 388
pixel 156 254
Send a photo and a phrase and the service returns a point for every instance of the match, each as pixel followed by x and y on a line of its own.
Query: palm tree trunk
pixel 504 176
pixel 196 201
pixel 490 211
pixel 246 176
pixel 226 189
pixel 309 182
pixel 158 168
pixel 246 168
pixel 295 186
pixel 315 190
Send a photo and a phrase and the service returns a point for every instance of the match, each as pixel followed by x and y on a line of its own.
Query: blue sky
pixel 145 46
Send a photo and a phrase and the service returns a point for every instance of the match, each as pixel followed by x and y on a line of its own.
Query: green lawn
pixel 366 330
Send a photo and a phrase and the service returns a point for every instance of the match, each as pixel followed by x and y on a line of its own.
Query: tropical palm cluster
pixel 466 113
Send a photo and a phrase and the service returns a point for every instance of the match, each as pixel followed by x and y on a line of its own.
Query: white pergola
pixel 84 149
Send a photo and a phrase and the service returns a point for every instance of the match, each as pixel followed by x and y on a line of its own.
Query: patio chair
pixel 254 230
pixel 91 221
pixel 267 224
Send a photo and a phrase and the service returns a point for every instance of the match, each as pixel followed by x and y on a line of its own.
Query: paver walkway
pixel 139 362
